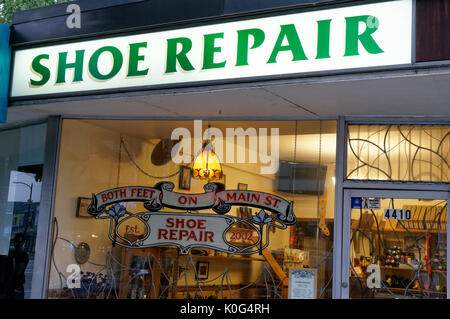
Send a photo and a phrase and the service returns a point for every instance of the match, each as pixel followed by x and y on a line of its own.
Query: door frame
pixel 342 290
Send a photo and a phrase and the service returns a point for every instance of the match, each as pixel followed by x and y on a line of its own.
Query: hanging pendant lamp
pixel 207 165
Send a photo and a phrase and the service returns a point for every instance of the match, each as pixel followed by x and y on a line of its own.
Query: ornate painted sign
pixel 190 229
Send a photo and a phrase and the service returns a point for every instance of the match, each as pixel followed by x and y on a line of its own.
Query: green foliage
pixel 8 7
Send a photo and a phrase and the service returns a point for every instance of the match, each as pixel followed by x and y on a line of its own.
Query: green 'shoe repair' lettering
pixel 177 49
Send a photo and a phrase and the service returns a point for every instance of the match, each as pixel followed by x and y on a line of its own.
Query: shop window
pixel 398 153
pixel 21 166
pixel 399 249
pixel 120 182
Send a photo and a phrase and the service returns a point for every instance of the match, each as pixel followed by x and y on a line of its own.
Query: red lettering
pixel 182 200
pixel 104 198
pixel 169 222
pixel 256 197
pixel 201 224
pixel 192 235
pixel 190 223
pixel 241 197
pixel 192 200
pixel 173 234
pixel 179 223
pixel 162 233
pixel 276 202
pixel 209 236
pixel 231 197
pixel 183 233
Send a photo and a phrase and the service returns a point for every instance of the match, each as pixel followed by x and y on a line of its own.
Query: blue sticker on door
pixel 356 202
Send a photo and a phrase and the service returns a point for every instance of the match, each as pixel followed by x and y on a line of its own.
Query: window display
pixel 399 249
pixel 157 229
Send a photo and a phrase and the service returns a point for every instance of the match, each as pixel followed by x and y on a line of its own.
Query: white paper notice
pixel 302 283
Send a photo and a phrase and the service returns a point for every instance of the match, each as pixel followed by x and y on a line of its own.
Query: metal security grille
pixel 398 153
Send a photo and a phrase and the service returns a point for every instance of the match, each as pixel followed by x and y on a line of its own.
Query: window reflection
pixel 21 167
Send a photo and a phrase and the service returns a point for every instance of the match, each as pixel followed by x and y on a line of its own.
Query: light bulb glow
pixel 207 165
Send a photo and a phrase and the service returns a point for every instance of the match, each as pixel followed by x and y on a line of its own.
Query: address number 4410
pixel 398 214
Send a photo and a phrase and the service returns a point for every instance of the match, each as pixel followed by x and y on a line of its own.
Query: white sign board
pixel 187 230
pixel 371 203
pixel 302 283
pixel 360 36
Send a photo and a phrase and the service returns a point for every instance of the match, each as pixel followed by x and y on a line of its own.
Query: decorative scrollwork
pixel 399 153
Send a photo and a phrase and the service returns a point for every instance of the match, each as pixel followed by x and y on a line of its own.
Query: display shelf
pixel 415 290
pixel 410 269
pixel 224 258
pixel 401 230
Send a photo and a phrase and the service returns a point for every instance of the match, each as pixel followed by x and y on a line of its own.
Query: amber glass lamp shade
pixel 207 164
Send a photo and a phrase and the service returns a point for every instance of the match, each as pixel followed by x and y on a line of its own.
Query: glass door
pixel 395 245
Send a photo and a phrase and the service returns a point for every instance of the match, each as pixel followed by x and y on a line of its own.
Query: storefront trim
pixel 223 15
pixel 394 184
pixel 438 67
pixel 44 236
pixel 344 187
pixel 338 206
pixel 340 283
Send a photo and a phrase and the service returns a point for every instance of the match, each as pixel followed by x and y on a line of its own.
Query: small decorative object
pixel 199 252
pixel 82 253
pixel 116 212
pixel 202 270
pixel 184 182
pixel 242 187
pixel 161 154
pixel 82 207
pixel 261 219
pixel 244 212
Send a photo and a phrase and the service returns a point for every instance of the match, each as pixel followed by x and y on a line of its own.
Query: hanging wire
pixel 122 144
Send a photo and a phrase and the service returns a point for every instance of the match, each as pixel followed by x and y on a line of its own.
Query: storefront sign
pixel 349 37
pixel 302 283
pixel 371 203
pixel 215 198
pixel 188 230
pixel 5 61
